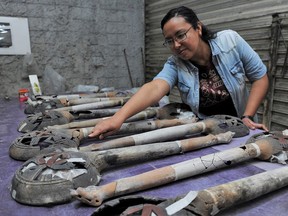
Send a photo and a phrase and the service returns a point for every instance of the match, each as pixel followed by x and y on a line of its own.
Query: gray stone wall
pixel 82 40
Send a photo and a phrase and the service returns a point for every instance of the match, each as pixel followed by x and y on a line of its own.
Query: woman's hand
pixel 106 128
pixel 258 91
pixel 150 93
pixel 252 125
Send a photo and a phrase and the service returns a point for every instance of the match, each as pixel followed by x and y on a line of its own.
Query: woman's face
pixel 174 30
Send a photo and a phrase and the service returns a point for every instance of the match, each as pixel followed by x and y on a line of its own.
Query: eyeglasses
pixel 178 37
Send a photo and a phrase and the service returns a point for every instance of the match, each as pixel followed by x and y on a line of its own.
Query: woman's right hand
pixel 150 93
pixel 106 128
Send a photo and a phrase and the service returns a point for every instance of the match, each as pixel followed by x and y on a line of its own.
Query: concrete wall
pixel 82 40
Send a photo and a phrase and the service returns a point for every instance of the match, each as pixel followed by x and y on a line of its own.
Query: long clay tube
pixel 76 96
pixel 95 105
pixel 79 101
pixel 213 200
pixel 149 113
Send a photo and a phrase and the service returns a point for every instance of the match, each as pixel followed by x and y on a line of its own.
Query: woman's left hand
pixel 252 125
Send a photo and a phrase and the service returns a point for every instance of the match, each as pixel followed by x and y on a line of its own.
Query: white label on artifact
pixel 35 85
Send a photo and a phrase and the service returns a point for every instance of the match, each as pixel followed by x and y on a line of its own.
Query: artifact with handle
pixel 30 144
pixel 48 178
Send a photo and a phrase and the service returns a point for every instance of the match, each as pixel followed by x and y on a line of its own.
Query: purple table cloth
pixel 12 113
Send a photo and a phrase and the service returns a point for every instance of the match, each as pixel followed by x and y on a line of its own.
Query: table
pixel 271 204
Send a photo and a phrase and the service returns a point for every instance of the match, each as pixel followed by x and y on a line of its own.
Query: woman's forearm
pixel 149 94
pixel 257 94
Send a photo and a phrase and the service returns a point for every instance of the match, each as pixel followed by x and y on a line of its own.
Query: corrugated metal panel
pixel 279 112
pixel 252 19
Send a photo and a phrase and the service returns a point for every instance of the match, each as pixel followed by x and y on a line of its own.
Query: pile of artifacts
pixel 60 166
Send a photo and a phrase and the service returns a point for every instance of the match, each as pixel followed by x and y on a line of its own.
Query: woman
pixel 209 70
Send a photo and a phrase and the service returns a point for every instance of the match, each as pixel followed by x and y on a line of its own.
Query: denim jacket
pixel 234 60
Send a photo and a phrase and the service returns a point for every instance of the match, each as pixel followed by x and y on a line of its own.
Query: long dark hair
pixel 190 16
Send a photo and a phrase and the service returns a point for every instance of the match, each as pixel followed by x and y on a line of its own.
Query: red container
pixel 23 94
